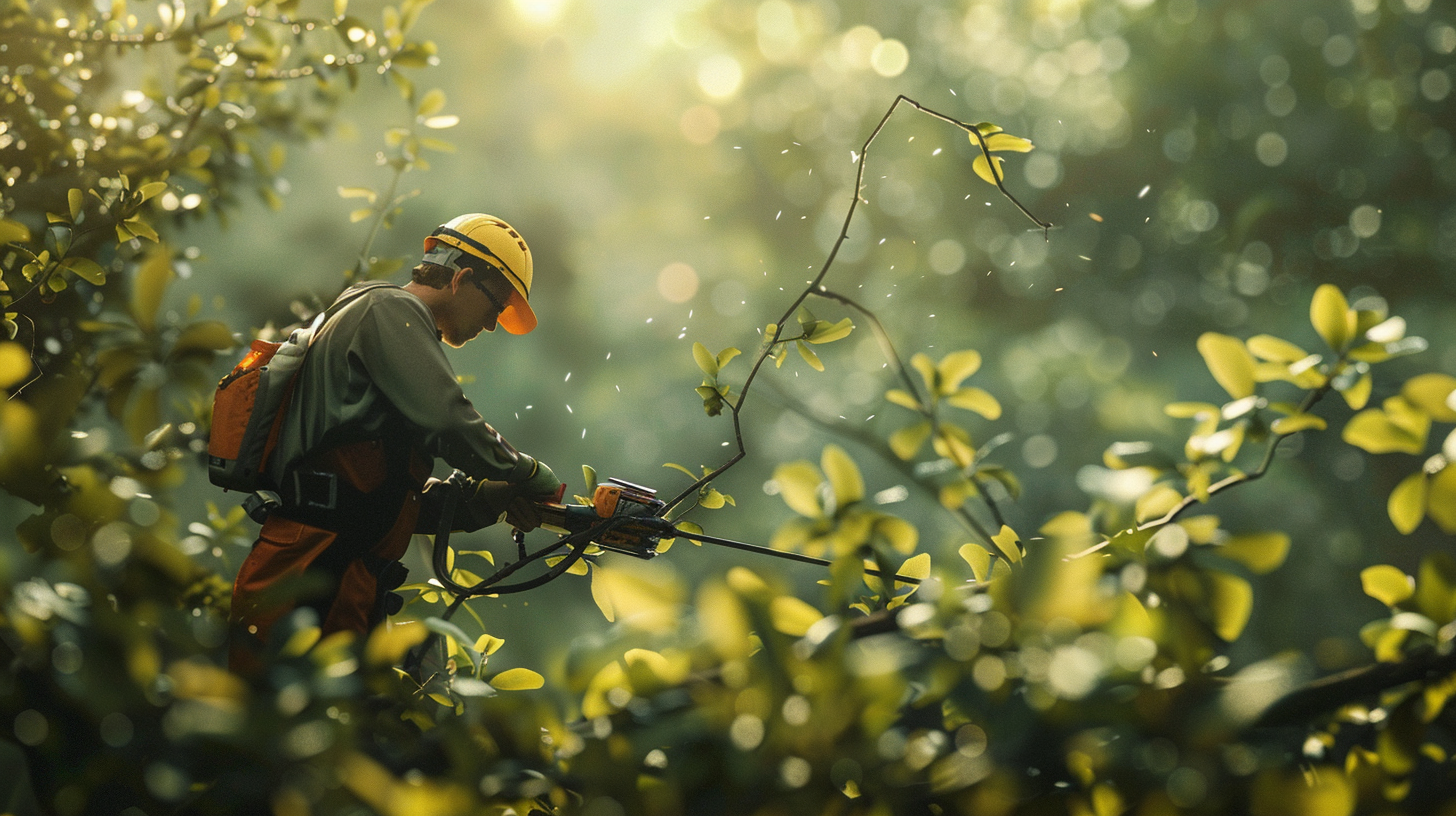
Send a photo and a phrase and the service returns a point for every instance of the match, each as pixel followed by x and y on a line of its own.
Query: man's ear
pixel 459 279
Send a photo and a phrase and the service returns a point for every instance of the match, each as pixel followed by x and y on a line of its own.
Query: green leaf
pixel 1298 422
pixel 705 359
pixel 799 485
pixel 207 335
pixel 726 355
pixel 1407 504
pixel 1386 584
pixel 86 269
pixel 977 401
pixel 1260 552
pixel 1274 349
pixel 358 192
pixel 907 441
pixel 712 499
pixel 1190 410
pixel 1230 363
pixel 75 198
pixel 844 476
pixel 1231 600
pixel 825 332
pixel 13 232
pixel 1331 316
pixel 517 680
pixel 955 367
pixel 675 466
pixel 589 477
pixel 809 356
pixel 1008 543
pixel 978 558
pixel 387 644
pixel 916 566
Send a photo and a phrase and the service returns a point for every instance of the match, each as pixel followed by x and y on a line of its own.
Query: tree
pixel 1087 638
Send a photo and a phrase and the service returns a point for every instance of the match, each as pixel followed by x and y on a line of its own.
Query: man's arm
pixel 398 347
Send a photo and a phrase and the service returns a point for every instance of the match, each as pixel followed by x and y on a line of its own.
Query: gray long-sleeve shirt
pixel 376 369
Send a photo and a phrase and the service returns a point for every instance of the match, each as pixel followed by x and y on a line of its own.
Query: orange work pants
pixel 269 582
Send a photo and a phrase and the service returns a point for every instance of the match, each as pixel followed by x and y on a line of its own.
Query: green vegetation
pixel 1151 384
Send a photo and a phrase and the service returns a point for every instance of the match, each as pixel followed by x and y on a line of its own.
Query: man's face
pixel 479 300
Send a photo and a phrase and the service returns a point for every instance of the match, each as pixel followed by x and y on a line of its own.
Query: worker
pixel 374 403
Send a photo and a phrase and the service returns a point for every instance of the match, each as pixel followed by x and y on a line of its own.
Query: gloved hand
pixel 496 500
pixel 543 485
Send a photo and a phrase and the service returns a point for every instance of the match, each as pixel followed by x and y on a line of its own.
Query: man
pixel 374 402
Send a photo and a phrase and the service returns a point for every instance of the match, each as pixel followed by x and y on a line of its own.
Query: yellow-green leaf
pixel 1441 499
pixel 388 643
pixel 1378 431
pixel 826 332
pixel 1330 314
pixel 1386 584
pixel 792 616
pixel 75 198
pixel 901 534
pixel 1275 349
pixel 152 189
pixel 602 596
pixel 152 276
pixel 206 335
pixel 433 103
pixel 844 476
pixel 87 269
pixel 916 566
pixel 799 485
pixel 705 359
pixel 15 366
pixel 1230 363
pixel 1260 552
pixel 1156 503
pixel 978 558
pixel 1407 503
pixel 517 679
pixel 983 168
pixel 1431 393
pixel 1357 395
pixel 902 398
pixel 997 142
pixel 809 356
pixel 13 232
pixel 488 644
pixel 1231 600
pixel 727 355
pixel 955 367
pixel 977 401
pixel 1298 422
pixel 1008 543
pixel 907 441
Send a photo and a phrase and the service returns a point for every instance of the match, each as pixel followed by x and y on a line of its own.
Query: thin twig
pixel 817 283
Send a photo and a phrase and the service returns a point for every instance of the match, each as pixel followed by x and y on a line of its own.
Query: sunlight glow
pixel 539 12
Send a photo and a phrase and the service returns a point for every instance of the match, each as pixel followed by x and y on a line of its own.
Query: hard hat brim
pixel 518 317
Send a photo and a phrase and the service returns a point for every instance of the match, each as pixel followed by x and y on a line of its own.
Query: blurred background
pixel 681 169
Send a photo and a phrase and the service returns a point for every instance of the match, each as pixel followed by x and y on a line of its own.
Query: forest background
pixel 682 171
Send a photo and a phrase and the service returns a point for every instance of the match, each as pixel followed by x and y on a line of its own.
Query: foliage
pixel 1092 638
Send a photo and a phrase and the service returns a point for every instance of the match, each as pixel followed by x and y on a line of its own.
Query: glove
pixel 542 485
pixel 496 500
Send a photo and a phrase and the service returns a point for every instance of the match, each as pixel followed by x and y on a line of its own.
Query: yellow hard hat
pixel 501 248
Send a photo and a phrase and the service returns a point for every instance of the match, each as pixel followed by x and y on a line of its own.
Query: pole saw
pixel 622 518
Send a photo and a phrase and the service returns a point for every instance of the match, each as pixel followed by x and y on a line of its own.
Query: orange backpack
pixel 251 401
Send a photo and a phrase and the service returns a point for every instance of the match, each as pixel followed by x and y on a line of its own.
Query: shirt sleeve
pixel 397 345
